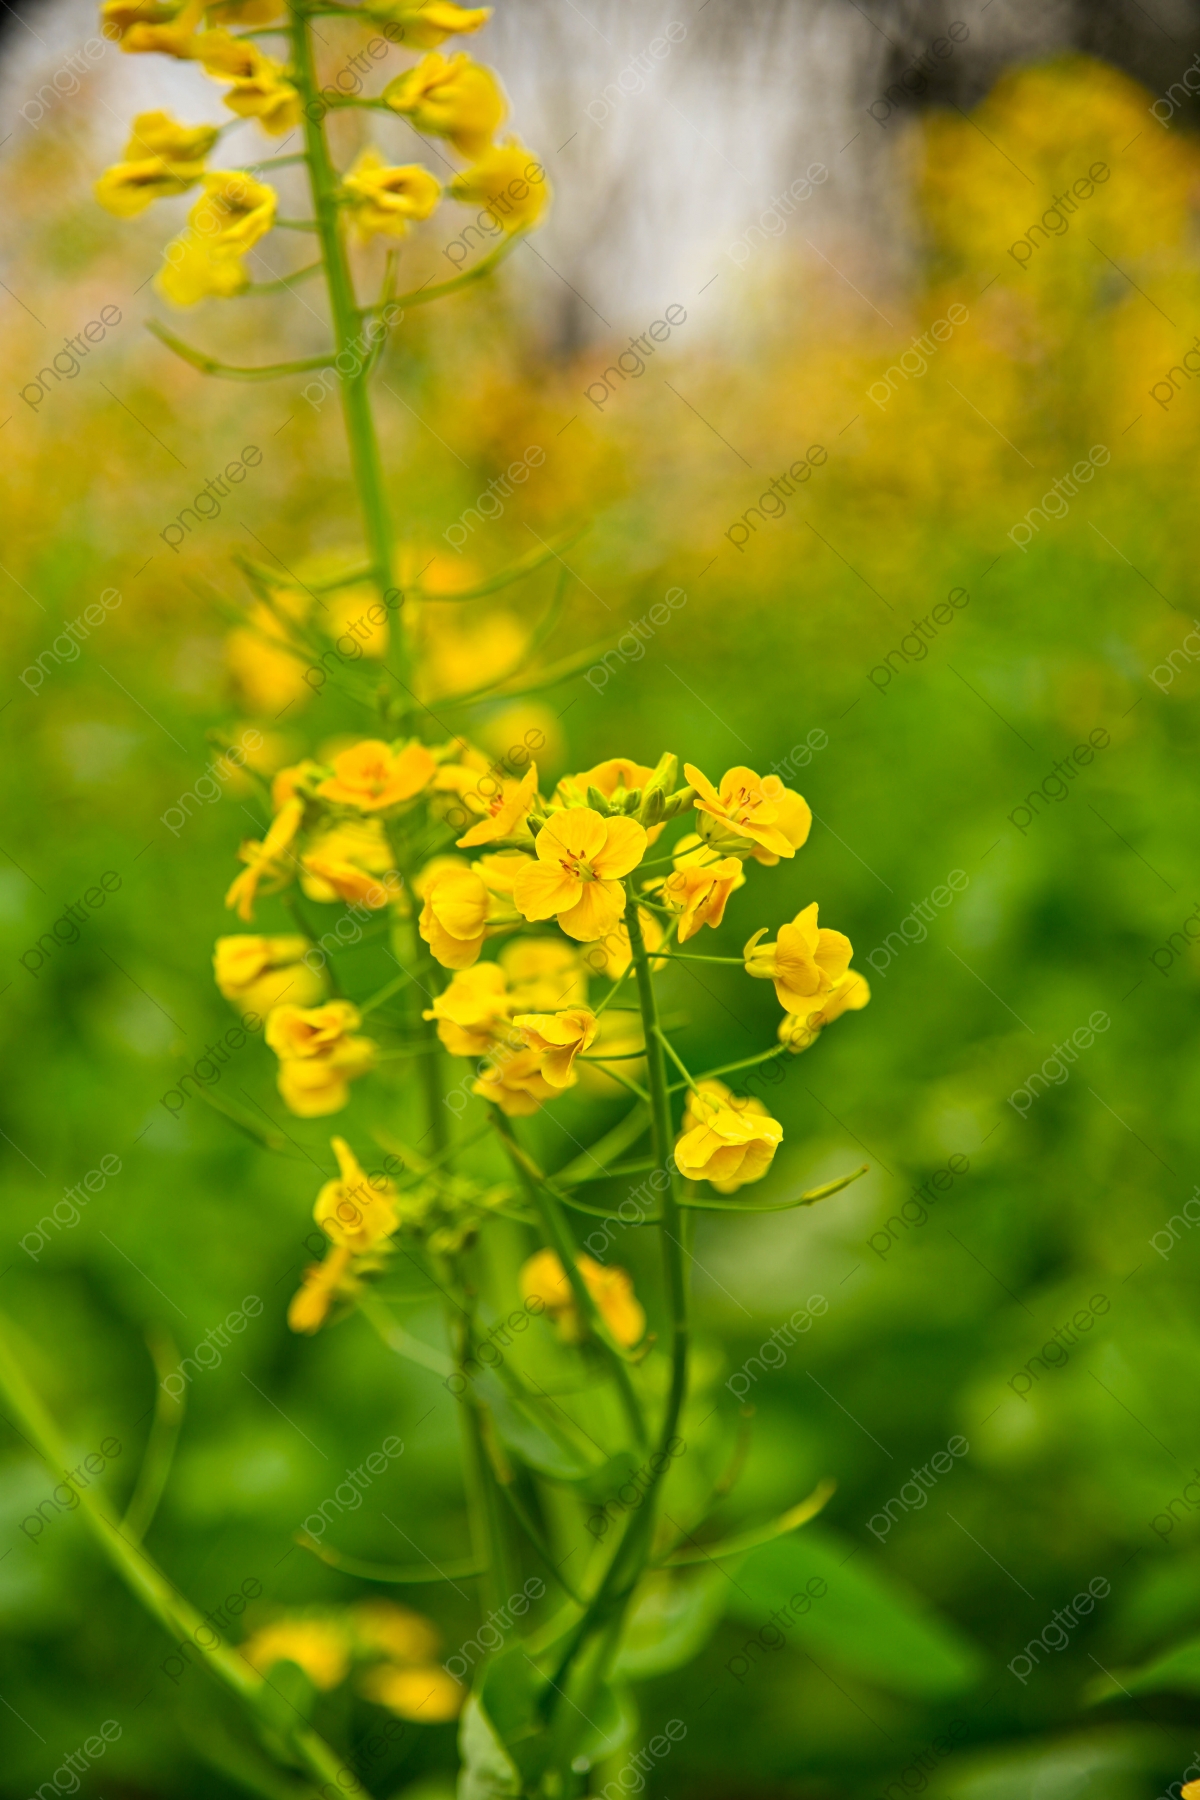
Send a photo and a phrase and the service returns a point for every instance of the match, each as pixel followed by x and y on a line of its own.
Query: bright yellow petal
pixel 624 847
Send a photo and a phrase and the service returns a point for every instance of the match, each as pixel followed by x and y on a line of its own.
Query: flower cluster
pixel 395 1649
pixel 555 883
pixel 449 97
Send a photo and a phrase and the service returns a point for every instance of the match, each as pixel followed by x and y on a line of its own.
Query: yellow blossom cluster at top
pixel 552 885
pixel 450 97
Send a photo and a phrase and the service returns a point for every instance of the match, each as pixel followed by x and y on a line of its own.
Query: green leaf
pixel 1175 1671
pixel 511 1688
pixel 601 1484
pixel 854 1614
pixel 671 1619
pixel 536 1448
pixel 488 1772
pixel 612 1721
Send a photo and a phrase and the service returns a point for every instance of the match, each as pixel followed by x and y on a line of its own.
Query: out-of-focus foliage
pixel 941 1304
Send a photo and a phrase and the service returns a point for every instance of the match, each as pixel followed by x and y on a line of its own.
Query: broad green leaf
pixel 612 1721
pixel 512 1685
pixel 844 1608
pixel 488 1772
pixel 671 1619
pixel 1175 1671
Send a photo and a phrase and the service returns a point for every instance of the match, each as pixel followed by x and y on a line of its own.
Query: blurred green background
pixel 1069 1474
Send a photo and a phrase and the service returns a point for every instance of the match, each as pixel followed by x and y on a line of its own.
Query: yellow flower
pixel 473 1011
pixel 265 858
pixel 793 816
pixel 162 157
pixel 803 960
pixel 384 198
pixel 142 25
pixel 311 1031
pixel 505 806
pixel 430 22
pixel 260 88
pixel 396 1631
pixel 428 1696
pixel 513 1081
pixel 318 1055
pixel 454 917
pixel 256 973
pixel 614 779
pixel 560 1037
pixel 320 1285
pixel 352 861
pixel 612 954
pixel 576 877
pixel 295 781
pixel 509 182
pixel 699 894
pixel 544 974
pixel 800 1029
pixel 543 1277
pixel 450 97
pixel 372 775
pixel 725 1139
pixel 356 1210
pixel 318 1646
pixel 205 260
pixel 749 812
pixel 499 871
pixel 314 1087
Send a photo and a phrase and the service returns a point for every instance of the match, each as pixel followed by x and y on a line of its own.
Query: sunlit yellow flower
pixel 725 1139
pixel 793 817
pixel 311 1030
pixel 268 858
pixel 509 182
pixel 560 1037
pixel 505 804
pixel 372 775
pixel 450 97
pixel 499 871
pixel 513 1081
pixel 385 198
pixel 800 1029
pixel 544 974
pixel 454 917
pixel 699 894
pixel 612 954
pixel 474 1011
pixel 804 960
pixel 352 861
pixel 543 1277
pixel 748 811
pixel 318 1055
pixel 397 1631
pixel 576 876
pixel 162 157
pixel 320 1285
pixel 614 779
pixel 142 25
pixel 260 88
pixel 205 260
pixel 313 1087
pixel 427 1696
pixel 318 1646
pixel 257 973
pixel 295 781
pixel 356 1210
pixel 428 23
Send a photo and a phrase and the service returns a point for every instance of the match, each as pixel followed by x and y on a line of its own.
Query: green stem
pixel 546 1200
pixel 347 325
pixel 146 1581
